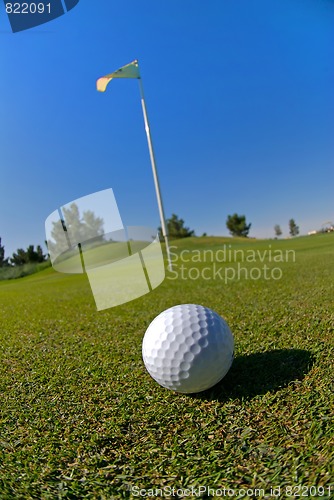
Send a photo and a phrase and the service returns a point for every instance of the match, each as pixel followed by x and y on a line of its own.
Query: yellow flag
pixel 129 71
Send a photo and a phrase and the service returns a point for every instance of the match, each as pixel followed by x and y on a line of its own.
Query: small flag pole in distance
pixel 132 71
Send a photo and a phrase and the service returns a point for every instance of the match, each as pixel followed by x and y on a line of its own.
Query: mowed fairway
pixel 81 417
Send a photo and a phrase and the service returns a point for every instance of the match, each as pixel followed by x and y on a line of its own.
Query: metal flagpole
pixel 155 175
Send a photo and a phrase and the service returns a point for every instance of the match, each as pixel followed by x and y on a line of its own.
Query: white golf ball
pixel 188 348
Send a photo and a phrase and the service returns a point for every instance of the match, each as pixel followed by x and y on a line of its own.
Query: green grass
pixel 9 273
pixel 81 418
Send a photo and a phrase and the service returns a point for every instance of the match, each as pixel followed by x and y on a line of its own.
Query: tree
pixel 3 261
pixel 28 256
pixel 176 229
pixel 78 228
pixel 237 226
pixel 278 230
pixel 19 257
pixel 35 255
pixel 293 228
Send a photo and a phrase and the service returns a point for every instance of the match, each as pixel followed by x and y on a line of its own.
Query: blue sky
pixel 240 99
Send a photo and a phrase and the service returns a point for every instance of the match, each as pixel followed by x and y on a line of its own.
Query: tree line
pixel 21 256
pixel 236 224
pixel 89 226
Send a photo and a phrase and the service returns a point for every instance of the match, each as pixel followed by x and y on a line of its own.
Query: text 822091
pixel 28 8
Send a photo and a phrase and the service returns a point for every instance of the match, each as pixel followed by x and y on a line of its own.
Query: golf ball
pixel 188 348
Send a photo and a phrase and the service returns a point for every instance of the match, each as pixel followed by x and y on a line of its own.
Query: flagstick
pixel 155 176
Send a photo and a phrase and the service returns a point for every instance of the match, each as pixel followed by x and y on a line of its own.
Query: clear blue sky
pixel 240 97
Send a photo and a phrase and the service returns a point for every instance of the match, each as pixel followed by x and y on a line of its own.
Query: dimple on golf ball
pixel 188 348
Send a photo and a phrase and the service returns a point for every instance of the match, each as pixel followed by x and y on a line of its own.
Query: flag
pixel 129 71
